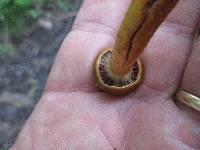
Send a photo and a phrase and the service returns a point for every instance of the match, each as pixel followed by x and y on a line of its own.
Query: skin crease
pixel 73 114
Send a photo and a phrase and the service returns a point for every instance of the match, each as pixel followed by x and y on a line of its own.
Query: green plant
pixel 16 15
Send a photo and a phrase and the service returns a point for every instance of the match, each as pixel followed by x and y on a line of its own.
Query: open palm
pixel 74 115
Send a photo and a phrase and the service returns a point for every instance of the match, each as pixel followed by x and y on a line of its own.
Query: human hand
pixel 73 114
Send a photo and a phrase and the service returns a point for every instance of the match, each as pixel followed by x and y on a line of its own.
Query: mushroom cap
pixel 114 84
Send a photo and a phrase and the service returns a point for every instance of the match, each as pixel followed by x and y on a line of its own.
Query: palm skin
pixel 74 115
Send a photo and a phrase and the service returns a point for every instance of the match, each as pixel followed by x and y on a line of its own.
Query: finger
pixel 191 84
pixel 101 16
pixel 95 29
pixel 191 78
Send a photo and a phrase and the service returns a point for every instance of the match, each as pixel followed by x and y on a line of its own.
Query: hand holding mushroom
pixel 74 114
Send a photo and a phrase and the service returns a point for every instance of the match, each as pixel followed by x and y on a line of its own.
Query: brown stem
pixel 140 23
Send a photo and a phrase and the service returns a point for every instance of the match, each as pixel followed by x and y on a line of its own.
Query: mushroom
pixel 118 69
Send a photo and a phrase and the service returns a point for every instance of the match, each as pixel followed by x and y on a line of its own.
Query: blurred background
pixel 31 32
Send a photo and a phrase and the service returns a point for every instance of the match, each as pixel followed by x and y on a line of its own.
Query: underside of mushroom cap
pixel 112 83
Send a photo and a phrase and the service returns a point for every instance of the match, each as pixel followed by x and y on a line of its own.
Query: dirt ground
pixel 23 74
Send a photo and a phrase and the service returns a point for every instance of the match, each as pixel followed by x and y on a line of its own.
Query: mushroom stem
pixel 140 23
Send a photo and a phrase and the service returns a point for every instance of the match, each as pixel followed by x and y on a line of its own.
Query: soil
pixel 23 74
